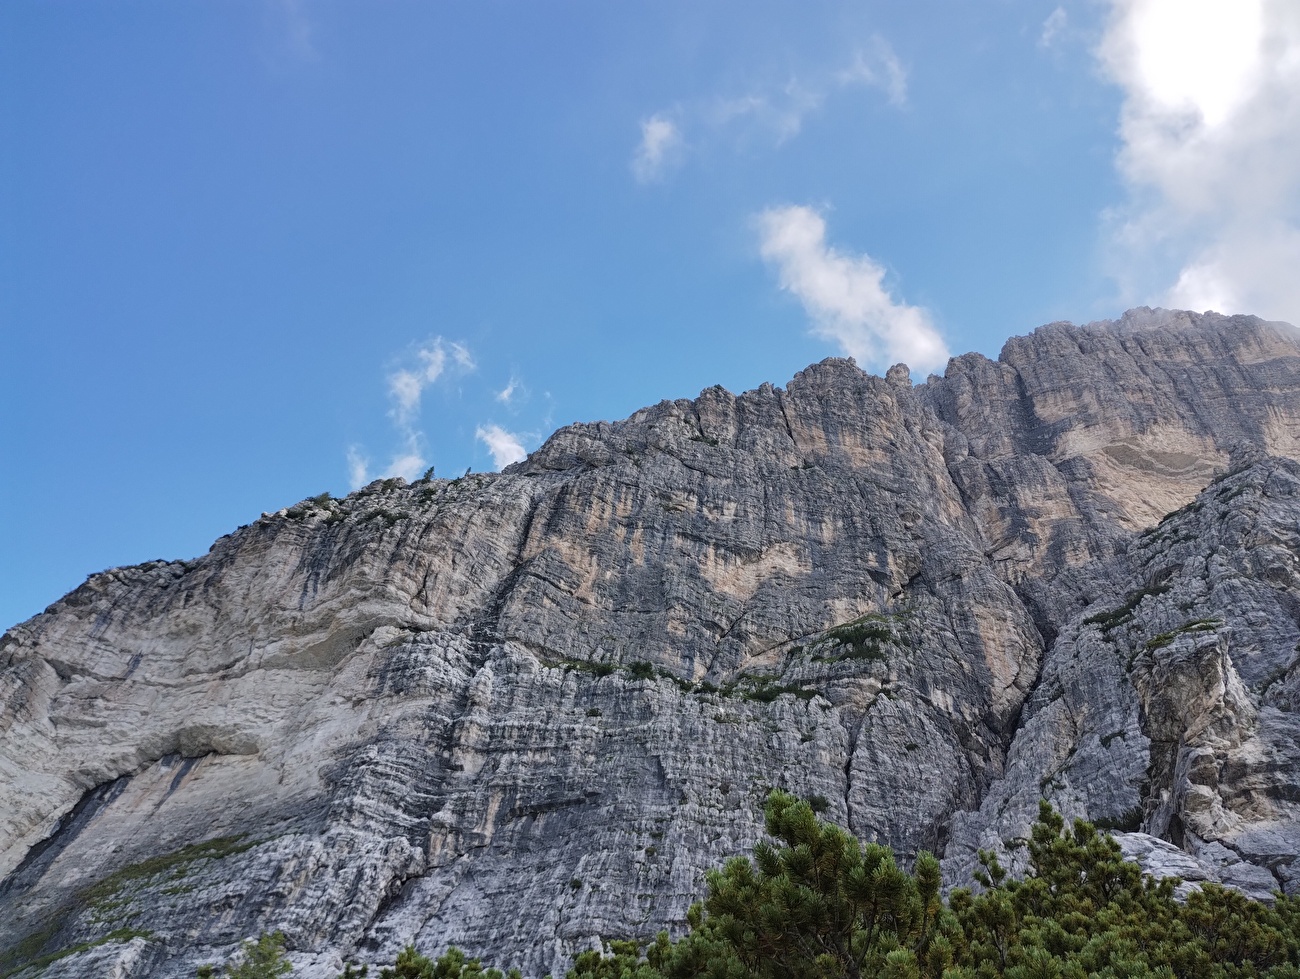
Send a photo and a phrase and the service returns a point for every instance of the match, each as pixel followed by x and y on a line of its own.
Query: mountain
pixel 520 711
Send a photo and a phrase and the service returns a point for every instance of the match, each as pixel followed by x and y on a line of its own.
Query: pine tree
pixel 818 905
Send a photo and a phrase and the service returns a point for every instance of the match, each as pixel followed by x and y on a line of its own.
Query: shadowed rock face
pixel 517 712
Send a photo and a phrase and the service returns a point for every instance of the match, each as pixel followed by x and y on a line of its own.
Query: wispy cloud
pixel 1054 27
pixel 1210 150
pixel 290 34
pixel 358 468
pixel 507 393
pixel 774 112
pixel 778 114
pixel 425 366
pixel 660 148
pixel 878 66
pixel 844 295
pixel 406 386
pixel 506 447
pixel 463 358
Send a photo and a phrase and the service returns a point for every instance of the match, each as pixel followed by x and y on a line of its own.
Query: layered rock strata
pixel 520 712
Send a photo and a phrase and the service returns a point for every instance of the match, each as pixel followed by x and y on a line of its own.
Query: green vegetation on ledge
pixel 24 959
pixel 174 864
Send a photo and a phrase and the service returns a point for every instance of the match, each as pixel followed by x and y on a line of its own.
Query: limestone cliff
pixel 518 712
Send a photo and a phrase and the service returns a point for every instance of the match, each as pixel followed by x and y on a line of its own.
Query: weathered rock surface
pixel 518 712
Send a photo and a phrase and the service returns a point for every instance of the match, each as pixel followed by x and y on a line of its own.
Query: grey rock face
pixel 522 711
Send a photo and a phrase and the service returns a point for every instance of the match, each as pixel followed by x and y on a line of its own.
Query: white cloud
pixel 508 392
pixel 845 294
pixel 1055 26
pixel 779 113
pixel 408 464
pixel 774 112
pixel 878 67
pixel 1233 273
pixel 1210 150
pixel 460 353
pixel 358 468
pixel 504 446
pixel 406 387
pixel 660 148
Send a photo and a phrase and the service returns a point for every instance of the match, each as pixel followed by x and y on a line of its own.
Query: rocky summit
pixel 522 712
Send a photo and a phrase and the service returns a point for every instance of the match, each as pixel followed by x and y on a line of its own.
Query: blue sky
pixel 253 251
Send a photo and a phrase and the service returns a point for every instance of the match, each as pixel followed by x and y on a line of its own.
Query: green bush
pixel 641 670
pixel 261 959
pixel 453 964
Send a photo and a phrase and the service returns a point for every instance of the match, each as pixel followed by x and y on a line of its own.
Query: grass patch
pixel 14 961
pixel 26 950
pixel 389 517
pixel 1114 618
pixel 764 690
pixel 598 670
pixel 322 501
pixel 1165 638
pixel 639 670
pixel 861 639
pixel 174 863
pixel 382 486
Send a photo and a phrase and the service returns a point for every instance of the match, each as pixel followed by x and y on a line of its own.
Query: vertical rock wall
pixel 519 712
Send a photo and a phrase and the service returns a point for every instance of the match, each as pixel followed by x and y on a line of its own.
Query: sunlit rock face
pixel 519 712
